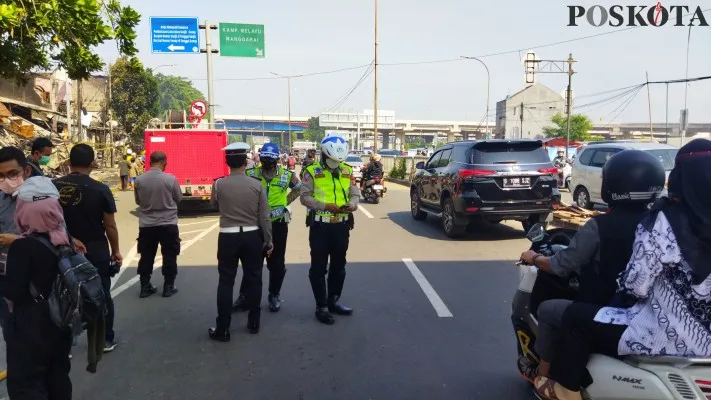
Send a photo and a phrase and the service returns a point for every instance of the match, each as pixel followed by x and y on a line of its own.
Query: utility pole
pixel 375 86
pixel 520 134
pixel 68 91
pixel 488 91
pixel 209 51
pixel 649 103
pixel 666 118
pixel 79 104
pixel 111 126
pixel 288 100
pixel 557 67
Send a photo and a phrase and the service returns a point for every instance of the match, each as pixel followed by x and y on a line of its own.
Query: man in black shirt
pixel 39 155
pixel 89 209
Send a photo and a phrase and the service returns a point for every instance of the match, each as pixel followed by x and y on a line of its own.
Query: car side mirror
pixel 420 165
pixel 536 233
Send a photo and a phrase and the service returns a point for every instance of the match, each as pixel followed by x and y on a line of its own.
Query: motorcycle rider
pixel 374 169
pixel 561 160
pixel 276 182
pixel 600 250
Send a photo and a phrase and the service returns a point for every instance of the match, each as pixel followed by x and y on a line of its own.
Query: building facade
pixel 524 114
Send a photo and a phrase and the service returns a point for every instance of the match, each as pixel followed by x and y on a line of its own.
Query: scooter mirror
pixel 536 233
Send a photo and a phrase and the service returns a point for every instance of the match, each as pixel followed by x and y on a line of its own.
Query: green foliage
pixel 176 93
pixel 400 170
pixel 134 97
pixel 580 126
pixel 314 132
pixel 33 32
pixel 416 142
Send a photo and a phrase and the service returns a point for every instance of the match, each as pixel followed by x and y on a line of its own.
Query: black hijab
pixel 688 207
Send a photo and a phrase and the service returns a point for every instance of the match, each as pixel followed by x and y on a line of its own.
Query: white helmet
pixel 335 149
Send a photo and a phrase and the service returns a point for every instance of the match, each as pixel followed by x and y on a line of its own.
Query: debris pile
pixel 572 216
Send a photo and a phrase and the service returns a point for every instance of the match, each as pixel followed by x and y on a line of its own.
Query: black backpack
pixel 77 297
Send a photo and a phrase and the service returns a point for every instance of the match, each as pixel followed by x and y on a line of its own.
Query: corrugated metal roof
pixel 27 105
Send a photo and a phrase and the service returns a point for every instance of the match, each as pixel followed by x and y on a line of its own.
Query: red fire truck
pixel 195 157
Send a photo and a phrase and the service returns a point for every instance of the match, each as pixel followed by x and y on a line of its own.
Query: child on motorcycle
pixel 600 249
pixel 662 306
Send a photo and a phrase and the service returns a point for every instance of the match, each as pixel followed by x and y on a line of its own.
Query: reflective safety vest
pixel 277 189
pixel 328 188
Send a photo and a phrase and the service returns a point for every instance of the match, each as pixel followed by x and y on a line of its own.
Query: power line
pixel 348 93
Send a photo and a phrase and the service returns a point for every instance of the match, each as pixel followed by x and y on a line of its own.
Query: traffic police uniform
pixel 277 185
pixel 245 233
pixel 329 233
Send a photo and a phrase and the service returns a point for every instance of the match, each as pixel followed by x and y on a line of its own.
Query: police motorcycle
pixel 627 378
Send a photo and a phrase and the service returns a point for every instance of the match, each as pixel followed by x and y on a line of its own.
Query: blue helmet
pixel 269 150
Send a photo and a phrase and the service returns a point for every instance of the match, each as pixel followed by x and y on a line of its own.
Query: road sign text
pixel 242 40
pixel 175 35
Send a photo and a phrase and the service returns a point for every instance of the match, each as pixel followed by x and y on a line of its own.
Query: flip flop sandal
pixel 545 388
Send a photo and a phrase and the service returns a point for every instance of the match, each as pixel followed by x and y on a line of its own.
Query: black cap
pixel 41 143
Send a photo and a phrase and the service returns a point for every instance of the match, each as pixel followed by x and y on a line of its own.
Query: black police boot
pixel 253 320
pixel 219 335
pixel 169 289
pixel 324 317
pixel 274 302
pixel 147 289
pixel 240 304
pixel 337 308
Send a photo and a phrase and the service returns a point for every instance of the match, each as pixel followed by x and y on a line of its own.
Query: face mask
pixel 333 164
pixel 10 186
pixel 44 160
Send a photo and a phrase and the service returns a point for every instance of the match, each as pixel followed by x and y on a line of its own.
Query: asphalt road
pixel 431 319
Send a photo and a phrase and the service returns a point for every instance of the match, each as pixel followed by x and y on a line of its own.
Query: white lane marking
pixel 188 232
pixel 183 247
pixel 126 262
pixel 366 212
pixel 432 296
pixel 199 222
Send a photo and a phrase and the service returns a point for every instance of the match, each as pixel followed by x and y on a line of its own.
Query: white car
pixel 586 179
pixel 356 163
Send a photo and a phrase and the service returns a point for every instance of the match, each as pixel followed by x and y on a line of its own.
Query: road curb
pixel 402 182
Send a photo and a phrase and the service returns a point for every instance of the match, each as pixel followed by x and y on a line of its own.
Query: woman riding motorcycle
pixel 662 306
pixel 374 169
pixel 631 180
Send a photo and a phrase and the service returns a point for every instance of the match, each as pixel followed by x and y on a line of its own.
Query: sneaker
pixel 110 345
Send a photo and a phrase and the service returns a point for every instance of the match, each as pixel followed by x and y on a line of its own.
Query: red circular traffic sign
pixel 198 108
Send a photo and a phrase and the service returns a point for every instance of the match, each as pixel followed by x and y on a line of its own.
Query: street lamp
pixel 288 99
pixel 161 66
pixel 488 89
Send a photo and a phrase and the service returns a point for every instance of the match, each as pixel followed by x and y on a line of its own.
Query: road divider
pixel 432 296
pixel 183 247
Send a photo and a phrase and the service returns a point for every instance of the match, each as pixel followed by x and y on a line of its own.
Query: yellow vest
pixel 328 188
pixel 277 189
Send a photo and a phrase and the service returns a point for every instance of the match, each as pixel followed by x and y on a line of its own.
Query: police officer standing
pixel 330 193
pixel 276 181
pixel 245 235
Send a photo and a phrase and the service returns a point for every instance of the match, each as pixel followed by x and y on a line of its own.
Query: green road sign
pixel 241 40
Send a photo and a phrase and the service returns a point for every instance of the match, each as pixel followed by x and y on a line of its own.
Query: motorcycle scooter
pixel 373 190
pixel 564 176
pixel 623 378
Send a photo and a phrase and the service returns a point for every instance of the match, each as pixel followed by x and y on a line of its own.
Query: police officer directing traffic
pixel 330 192
pixel 276 181
pixel 245 236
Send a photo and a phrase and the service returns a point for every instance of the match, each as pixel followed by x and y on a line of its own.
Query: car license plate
pixel 523 181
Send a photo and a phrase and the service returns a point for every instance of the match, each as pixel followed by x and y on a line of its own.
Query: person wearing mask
pixel 631 180
pixel 124 169
pixel 157 196
pixel 89 210
pixel 37 349
pixel 561 160
pixel 40 155
pixel 661 307
pixel 330 193
pixel 245 236
pixel 276 181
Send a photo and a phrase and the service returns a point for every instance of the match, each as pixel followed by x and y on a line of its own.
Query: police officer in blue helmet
pixel 282 187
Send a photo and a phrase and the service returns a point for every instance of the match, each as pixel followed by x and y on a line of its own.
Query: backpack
pixel 77 297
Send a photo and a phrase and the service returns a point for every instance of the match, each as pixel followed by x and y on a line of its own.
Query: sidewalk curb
pixel 402 182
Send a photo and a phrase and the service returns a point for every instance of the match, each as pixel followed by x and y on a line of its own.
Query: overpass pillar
pixel 386 140
pixel 465 135
pixel 450 136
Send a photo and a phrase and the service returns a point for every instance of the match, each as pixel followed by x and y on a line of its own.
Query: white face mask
pixel 333 164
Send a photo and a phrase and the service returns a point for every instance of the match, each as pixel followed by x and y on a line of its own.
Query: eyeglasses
pixel 12 175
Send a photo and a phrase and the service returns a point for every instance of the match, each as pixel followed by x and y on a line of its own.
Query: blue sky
pixel 309 36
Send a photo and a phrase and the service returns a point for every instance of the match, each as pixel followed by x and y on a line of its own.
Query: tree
pixel 34 32
pixel 134 96
pixel 314 132
pixel 176 93
pixel 580 126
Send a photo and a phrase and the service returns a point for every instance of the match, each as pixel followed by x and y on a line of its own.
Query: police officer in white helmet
pixel 330 193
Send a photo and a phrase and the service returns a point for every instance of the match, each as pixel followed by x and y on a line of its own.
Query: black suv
pixel 493 180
